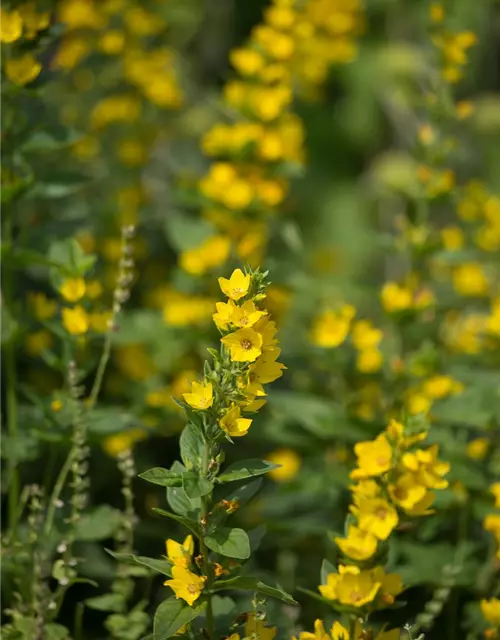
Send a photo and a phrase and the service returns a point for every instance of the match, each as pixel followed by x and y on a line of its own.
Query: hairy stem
pixel 207 569
pixel 103 363
pixel 58 487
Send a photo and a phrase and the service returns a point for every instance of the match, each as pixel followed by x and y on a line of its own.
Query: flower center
pixel 244 320
pixel 246 345
pixel 192 588
pixel 381 513
pixel 355 596
pixel 382 461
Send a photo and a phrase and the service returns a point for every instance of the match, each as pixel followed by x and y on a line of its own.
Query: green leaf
pixel 163 477
pixel 70 257
pixel 9 327
pixel 178 500
pixel 246 469
pixel 156 564
pixel 192 445
pixel 60 186
pixel 99 524
pixel 19 448
pixel 54 631
pixel 187 232
pixel 233 543
pixel 171 615
pixel 107 602
pixel 326 568
pixel 195 485
pixel 247 583
pixel 192 525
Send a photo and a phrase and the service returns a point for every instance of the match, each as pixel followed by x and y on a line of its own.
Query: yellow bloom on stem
pixel 319 633
pixel 246 315
pixel 233 424
pixel 495 490
pixel 478 448
pixel 357 589
pixel 237 285
pixel 180 554
pixel 43 307
pixel 255 628
pixel 185 584
pixel 369 361
pixel 491 610
pixel 409 494
pixel 359 545
pixel 244 345
pixel 289 462
pixel 330 329
pixel 222 317
pixel 374 458
pixel 395 297
pixel 201 396
pixel 391 584
pixel 22 70
pixel 266 370
pixel 376 516
pixel 75 320
pixel 469 279
pixel 427 467
pixel 11 26
pixel 72 289
pixel 365 336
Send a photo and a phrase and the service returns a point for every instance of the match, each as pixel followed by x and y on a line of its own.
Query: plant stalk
pixel 10 384
pixel 207 569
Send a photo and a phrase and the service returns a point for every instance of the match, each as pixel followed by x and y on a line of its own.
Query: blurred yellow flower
pixel 43 307
pixel 233 424
pixel 75 320
pixel 237 285
pixel 11 26
pixel 478 448
pixel 289 462
pixel 22 70
pixel 118 443
pixel 358 545
pixel 72 289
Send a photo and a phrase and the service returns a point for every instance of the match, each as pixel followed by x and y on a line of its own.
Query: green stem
pixel 352 627
pixel 10 373
pixel 207 569
pixel 58 487
pixel 78 626
pixel 103 363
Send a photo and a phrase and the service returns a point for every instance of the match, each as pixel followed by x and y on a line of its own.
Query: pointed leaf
pixel 171 615
pixel 156 564
pixel 246 469
pixel 192 525
pixel 162 477
pixel 195 485
pixel 247 583
pixel 233 543
pixel 191 444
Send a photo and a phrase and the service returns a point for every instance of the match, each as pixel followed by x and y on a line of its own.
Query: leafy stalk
pixel 207 569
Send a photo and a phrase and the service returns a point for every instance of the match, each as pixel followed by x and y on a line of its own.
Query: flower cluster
pixel 249 355
pixel 394 480
pixel 257 150
pixel 21 26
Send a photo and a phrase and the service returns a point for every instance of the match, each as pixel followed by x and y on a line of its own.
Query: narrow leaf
pixel 163 477
pixel 246 469
pixel 247 583
pixel 186 522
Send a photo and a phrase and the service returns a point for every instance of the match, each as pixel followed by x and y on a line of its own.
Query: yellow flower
pixel 72 289
pixel 245 345
pixel 453 238
pixel 427 467
pixel 374 458
pixel 56 406
pixel 120 442
pixel 255 628
pixel 478 448
pixel 38 341
pixel 469 279
pixel 222 317
pixel 330 329
pixel 369 361
pixel 93 289
pixel 233 424
pixel 289 462
pixel 43 307
pixel 321 634
pixel 409 494
pixel 491 610
pixel 76 320
pixel 495 490
pixel 99 321
pixel 237 285
pixel 266 370
pixel 185 584
pixel 246 315
pixel 376 516
pixel 359 545
pixel 180 554
pixel 439 386
pixel 22 70
pixel 11 26
pixel 395 297
pixel 364 336
pixel 201 396
pixel 437 13
pixel 357 589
